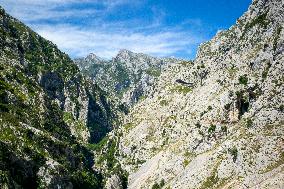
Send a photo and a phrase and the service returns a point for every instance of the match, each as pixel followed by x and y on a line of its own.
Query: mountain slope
pixel 127 76
pixel 49 113
pixel 216 122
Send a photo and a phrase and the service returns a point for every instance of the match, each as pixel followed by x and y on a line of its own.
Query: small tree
pixel 201 73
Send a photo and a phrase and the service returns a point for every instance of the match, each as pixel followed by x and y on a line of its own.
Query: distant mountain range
pixel 127 76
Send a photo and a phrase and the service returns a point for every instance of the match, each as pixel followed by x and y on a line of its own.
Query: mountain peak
pixel 124 54
pixel 93 57
pixel 124 51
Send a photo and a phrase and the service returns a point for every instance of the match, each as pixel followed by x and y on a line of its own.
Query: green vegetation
pixel 266 70
pixel 121 75
pixel 141 98
pixel 276 38
pixel 234 152
pixel 186 63
pixel 187 154
pixel 185 162
pixel 34 125
pixel 181 89
pixel 274 165
pixel 155 72
pixel 156 186
pixel 99 146
pixel 227 106
pixel 243 80
pixel 109 155
pixel 159 186
pixel 281 108
pixel 259 20
pixel 232 71
pixel 202 66
pixel 123 108
pixel 139 162
pixel 211 180
pixel 211 129
pixel 224 128
pixel 198 125
pixel 164 103
pixel 107 150
pixel 219 82
pixel 84 179
pixel 249 123
pixel 128 126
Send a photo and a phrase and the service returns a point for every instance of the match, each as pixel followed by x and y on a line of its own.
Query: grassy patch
pixel 185 162
pixel 164 103
pixel 155 72
pixel 141 98
pixel 232 71
pixel 274 165
pixel 128 126
pixel 211 180
pixel 186 63
pixel 181 89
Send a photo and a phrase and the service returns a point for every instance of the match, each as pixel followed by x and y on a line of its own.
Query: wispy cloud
pixel 38 10
pixel 80 27
pixel 107 43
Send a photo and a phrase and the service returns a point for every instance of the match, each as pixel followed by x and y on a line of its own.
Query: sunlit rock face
pixel 225 129
pixel 127 76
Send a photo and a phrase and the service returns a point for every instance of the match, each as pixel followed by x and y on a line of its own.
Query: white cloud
pixel 37 10
pixel 106 44
pixel 101 36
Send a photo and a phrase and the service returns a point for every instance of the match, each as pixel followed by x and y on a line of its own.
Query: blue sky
pixel 159 28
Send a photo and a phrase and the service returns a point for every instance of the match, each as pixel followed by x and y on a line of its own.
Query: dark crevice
pixel 184 82
pixel 53 85
pixel 242 104
pixel 99 118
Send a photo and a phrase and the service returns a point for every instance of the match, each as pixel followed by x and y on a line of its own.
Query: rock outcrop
pixel 224 131
pixel 49 114
pixel 127 76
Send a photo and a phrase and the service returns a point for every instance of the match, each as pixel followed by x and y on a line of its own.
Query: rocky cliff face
pixel 127 76
pixel 216 122
pixel 49 113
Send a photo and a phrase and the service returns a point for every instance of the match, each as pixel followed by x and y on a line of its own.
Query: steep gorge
pixel 225 131
pixel 214 122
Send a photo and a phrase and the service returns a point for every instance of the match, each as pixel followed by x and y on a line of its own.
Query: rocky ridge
pixel 50 115
pixel 225 130
pixel 127 76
